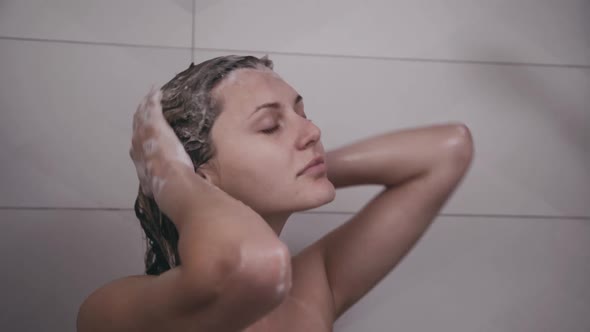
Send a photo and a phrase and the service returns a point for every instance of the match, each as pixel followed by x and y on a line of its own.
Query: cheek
pixel 262 169
pixel 240 163
pixel 263 165
pixel 254 161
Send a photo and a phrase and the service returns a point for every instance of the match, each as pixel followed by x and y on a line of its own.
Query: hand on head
pixel 155 149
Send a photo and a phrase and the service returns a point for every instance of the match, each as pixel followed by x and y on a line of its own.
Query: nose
pixel 310 134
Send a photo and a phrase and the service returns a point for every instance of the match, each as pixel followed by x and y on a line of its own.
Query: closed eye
pixel 270 130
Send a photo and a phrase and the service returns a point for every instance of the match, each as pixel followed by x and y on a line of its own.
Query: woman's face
pixel 263 140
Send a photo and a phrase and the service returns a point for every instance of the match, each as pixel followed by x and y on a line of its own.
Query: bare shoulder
pixel 103 303
pixel 133 281
pixel 308 306
pixel 145 303
pixel 94 299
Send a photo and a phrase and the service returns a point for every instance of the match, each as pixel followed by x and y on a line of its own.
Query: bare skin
pixel 419 169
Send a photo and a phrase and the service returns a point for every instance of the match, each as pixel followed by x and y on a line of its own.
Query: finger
pixel 137 119
pixel 142 176
pixel 140 169
pixel 144 181
pixel 136 147
pixel 150 146
pixel 135 123
pixel 157 185
pixel 141 106
pixel 154 106
pixel 144 111
pixel 141 115
pixel 145 189
pixel 148 131
pixel 133 154
pixel 157 96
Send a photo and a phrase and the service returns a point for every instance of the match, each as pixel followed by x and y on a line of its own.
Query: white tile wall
pixel 465 274
pixel 151 22
pixel 67 114
pixel 52 259
pixel 538 31
pixel 531 125
pixel 516 72
pixel 499 104
pixel 474 274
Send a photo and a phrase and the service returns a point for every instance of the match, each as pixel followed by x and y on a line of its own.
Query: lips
pixel 315 161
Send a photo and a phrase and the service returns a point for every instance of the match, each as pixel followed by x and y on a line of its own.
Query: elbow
pixel 268 271
pixel 256 273
pixel 459 145
pixel 259 275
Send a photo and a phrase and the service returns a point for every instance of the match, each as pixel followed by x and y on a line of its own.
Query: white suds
pixel 182 156
pixel 146 116
pixel 158 185
pixel 150 146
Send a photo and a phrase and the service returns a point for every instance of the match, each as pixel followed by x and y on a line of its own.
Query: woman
pixel 225 154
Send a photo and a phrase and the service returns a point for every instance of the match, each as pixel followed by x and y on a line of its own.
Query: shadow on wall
pixel 187 5
pixel 551 99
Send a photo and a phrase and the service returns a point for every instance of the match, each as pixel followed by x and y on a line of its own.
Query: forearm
pixel 395 157
pixel 220 238
pixel 215 227
pixel 232 261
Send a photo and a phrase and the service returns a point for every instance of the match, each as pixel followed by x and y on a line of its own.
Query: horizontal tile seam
pixel 460 215
pixel 401 59
pixel 95 43
pixel 302 54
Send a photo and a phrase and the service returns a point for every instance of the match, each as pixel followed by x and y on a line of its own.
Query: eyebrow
pixel 275 105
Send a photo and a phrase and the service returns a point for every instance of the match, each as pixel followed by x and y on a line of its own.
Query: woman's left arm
pixel 396 157
pixel 419 168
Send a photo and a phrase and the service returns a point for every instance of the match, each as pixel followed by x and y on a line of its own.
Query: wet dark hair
pixel 190 109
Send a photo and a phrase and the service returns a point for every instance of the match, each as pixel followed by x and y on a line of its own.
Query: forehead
pixel 251 87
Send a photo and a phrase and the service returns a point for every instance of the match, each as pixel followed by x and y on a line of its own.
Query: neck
pixel 277 221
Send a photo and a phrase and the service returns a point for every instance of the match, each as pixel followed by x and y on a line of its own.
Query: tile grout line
pixel 193 32
pixel 193 48
pixel 302 54
pixel 476 215
pixel 461 215
pixel 77 42
pixel 401 59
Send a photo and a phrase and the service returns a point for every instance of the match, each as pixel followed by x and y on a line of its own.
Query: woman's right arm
pixel 234 268
pixel 226 282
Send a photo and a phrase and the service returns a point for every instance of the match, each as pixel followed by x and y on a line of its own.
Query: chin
pixel 309 196
pixel 320 195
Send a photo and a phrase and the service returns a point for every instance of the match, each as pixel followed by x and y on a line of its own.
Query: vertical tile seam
pixel 193 32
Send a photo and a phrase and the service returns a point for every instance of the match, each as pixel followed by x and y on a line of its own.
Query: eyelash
pixel 269 131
